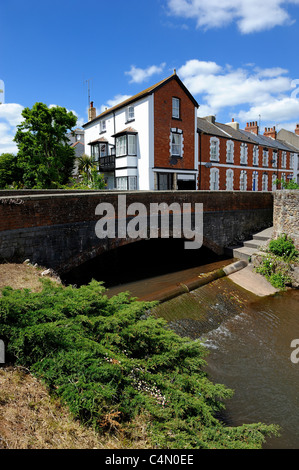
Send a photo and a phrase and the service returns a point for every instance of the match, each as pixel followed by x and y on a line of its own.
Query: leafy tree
pixel 44 154
pixel 10 172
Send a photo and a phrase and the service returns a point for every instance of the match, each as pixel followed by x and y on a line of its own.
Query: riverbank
pixel 253 281
pixel 29 417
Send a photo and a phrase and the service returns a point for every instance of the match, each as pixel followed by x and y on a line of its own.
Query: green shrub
pixel 284 247
pixel 110 360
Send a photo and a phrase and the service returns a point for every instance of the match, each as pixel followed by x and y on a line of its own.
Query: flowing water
pixel 248 337
pixel 249 343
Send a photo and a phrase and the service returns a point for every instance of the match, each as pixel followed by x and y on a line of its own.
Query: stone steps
pixel 251 247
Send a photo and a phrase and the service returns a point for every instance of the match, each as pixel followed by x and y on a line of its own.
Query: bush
pixel 284 247
pixel 109 360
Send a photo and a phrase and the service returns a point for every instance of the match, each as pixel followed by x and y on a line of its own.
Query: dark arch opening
pixel 140 260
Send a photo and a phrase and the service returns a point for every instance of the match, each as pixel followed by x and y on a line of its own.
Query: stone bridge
pixel 56 229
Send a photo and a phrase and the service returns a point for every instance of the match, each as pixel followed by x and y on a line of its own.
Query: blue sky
pixel 239 58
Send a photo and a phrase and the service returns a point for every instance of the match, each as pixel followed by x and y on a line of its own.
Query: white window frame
pixel 214 179
pixel 229 151
pixel 214 149
pixel 274 159
pixel 265 182
pixel 274 178
pixel 292 160
pixel 123 146
pixel 265 158
pixel 243 154
pixel 176 149
pixel 283 159
pixel 176 105
pixel 229 180
pixel 132 144
pixel 130 113
pixel 103 126
pixel 255 155
pixel 243 180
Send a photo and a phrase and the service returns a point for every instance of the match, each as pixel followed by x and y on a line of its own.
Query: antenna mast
pixel 88 85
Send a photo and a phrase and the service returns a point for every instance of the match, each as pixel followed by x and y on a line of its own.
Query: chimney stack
pixel 233 124
pixel 270 132
pixel 92 112
pixel 252 127
pixel 297 129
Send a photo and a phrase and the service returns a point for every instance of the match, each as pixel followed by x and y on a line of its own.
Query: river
pixel 248 339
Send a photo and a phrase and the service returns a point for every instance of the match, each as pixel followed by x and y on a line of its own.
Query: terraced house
pixel 148 141
pixel 155 141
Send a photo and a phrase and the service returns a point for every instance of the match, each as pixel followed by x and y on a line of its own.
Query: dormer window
pixel 176 108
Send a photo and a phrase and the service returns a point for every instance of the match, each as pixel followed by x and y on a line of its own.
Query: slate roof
pixel 142 94
pixel 266 141
pixel 207 127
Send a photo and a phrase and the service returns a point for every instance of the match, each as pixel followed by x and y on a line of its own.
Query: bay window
pixel 126 145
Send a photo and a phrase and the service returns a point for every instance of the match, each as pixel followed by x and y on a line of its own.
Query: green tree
pixel 10 173
pixel 85 166
pixel 44 154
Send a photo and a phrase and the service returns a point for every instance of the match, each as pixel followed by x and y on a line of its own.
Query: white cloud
pixel 250 15
pixel 245 92
pixel 114 101
pixel 275 111
pixel 139 75
pixel 10 117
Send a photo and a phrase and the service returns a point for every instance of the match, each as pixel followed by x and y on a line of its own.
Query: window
pixel 243 180
pixel 214 149
pixel 176 108
pixel 126 183
pixel 214 179
pixel 95 152
pixel 265 157
pixel 164 181
pixel 255 160
pixel 283 159
pixel 283 176
pixel 229 180
pixel 126 145
pixel 103 126
pixel 292 161
pixel 265 182
pixel 274 159
pixel 103 150
pixel 130 113
pixel 274 178
pixel 229 151
pixel 176 143
pixel 243 154
pixel 255 177
pixel 132 148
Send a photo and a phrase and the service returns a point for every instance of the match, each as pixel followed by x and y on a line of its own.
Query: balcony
pixel 107 163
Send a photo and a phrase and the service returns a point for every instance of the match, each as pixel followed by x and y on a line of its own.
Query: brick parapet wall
pixel 58 230
pixel 286 214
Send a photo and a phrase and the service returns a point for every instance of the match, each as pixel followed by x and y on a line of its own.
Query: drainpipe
pixel 200 156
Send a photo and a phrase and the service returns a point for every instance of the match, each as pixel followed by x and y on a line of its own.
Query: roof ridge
pixel 132 98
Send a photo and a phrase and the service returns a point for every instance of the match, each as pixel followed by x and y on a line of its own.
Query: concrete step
pixel 253 243
pixel 264 234
pixel 244 252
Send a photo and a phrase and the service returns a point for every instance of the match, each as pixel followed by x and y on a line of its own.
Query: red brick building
pixel 154 141
pixel 243 160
